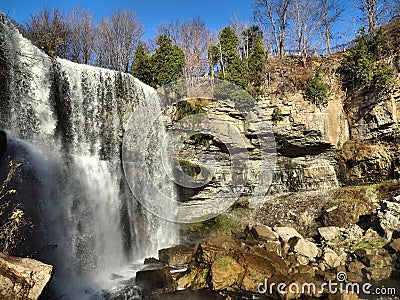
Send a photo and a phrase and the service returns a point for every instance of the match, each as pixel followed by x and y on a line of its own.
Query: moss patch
pixel 189 168
pixel 367 244
pixel 226 223
pixel 347 205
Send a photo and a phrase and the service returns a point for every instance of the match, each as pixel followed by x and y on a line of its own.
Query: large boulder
pixel 226 272
pixel 329 233
pixel 356 267
pixel 394 246
pixel 389 217
pixel 264 233
pixel 177 255
pixel 223 241
pixel 207 254
pixel 194 278
pixel 259 268
pixel 22 278
pixel 286 233
pixel 331 259
pixel 304 247
pixel 151 280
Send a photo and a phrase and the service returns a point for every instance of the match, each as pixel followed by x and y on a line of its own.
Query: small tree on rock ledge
pixel 317 91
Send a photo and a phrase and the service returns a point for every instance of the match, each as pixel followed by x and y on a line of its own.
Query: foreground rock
pixel 249 259
pixel 177 255
pixel 330 233
pixel 151 280
pixel 223 263
pixel 22 278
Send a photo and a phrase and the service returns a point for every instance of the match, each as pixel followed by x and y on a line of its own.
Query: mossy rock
pixel 368 244
pixel 347 205
pixel 195 279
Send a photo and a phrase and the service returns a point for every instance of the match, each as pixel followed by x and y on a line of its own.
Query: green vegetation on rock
pixel 367 244
pixel 364 63
pixel 224 262
pixel 185 108
pixel 225 90
pixel 317 91
pixel 276 115
pixel 225 223
pixel 347 204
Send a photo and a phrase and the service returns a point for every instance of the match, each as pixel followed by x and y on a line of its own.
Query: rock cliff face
pixel 372 154
pixel 350 141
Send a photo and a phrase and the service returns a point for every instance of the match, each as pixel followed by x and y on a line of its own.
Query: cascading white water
pixel 74 115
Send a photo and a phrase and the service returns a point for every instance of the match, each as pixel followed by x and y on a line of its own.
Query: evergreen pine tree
pixel 141 66
pixel 167 61
pixel 255 65
pixel 233 69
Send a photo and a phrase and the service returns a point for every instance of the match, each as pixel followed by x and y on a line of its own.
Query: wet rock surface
pixel 157 279
pixel 178 255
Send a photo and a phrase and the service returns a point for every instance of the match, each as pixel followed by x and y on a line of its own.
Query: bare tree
pixel 117 39
pixel 373 12
pixel 193 37
pixel 274 15
pixel 305 24
pixel 239 27
pixel 81 40
pixel 48 30
pixel 329 12
pixel 171 30
pixel 194 41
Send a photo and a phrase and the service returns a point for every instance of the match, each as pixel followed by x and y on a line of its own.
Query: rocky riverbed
pixel 251 263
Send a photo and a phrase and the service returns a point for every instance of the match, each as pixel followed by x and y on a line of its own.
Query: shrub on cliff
pixel 364 64
pixel 224 90
pixel 276 115
pixel 317 91
pixel 185 108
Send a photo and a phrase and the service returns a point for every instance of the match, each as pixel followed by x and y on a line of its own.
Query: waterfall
pixel 65 122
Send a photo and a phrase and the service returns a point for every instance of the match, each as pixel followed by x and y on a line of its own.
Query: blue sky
pixel 216 13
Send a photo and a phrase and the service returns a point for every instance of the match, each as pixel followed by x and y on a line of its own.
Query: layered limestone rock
pixel 352 140
pixel 372 115
pixel 305 147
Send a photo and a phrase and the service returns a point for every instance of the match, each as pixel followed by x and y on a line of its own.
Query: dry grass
pixel 12 219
